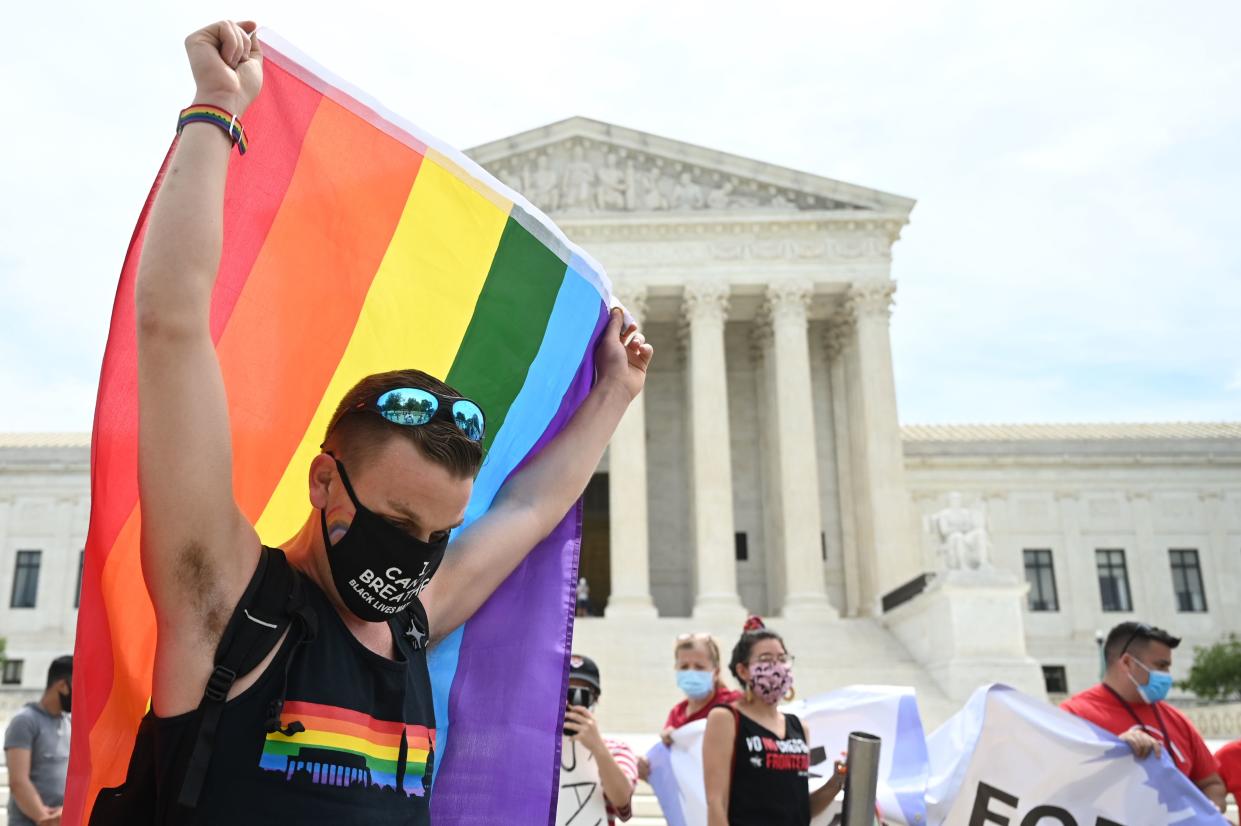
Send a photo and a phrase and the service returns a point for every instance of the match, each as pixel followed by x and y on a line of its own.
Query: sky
pixel 1074 254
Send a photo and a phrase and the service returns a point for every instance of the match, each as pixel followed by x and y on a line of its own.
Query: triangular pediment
pixel 585 167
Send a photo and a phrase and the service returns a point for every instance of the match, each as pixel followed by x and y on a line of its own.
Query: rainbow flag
pixel 356 243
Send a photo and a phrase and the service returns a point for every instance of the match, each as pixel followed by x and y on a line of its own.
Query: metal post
pixel 860 782
pixel 1098 640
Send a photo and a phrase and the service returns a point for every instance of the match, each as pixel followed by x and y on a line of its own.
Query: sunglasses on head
pixel 1141 630
pixel 414 407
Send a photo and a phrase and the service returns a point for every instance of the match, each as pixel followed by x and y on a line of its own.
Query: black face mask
pixel 377 568
pixel 66 701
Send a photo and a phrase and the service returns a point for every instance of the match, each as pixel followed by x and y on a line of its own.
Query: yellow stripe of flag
pixel 415 314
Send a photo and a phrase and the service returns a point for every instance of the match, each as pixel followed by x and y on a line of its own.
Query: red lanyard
pixel 1172 751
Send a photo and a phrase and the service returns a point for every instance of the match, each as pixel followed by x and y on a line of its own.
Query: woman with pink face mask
pixel 756 760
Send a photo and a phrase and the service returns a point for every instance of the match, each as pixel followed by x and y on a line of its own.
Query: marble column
pixel 1077 577
pixel 62 546
pixel 1219 566
pixel 883 527
pixel 805 588
pixel 6 562
pixel 835 340
pixel 628 523
pixel 1147 556
pixel 715 569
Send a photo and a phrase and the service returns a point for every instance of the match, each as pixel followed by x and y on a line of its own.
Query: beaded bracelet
pixel 203 113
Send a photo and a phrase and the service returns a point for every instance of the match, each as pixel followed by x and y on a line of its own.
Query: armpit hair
pixel 200 581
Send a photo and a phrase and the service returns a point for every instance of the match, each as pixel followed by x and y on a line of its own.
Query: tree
pixel 1216 672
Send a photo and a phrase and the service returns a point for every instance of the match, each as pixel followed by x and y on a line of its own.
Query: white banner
pixel 889 712
pixel 1010 759
pixel 581 795
pixel 1004 760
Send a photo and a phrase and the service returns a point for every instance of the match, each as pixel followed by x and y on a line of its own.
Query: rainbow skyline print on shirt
pixel 347 748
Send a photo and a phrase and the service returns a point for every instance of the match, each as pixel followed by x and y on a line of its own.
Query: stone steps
pixel 636 663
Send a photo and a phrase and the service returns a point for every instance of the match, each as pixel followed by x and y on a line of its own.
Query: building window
pixel 1041 575
pixel 77 595
pixel 823 544
pixel 1187 580
pixel 26 579
pixel 12 672
pixel 1113 579
pixel 1055 679
pixel 741 546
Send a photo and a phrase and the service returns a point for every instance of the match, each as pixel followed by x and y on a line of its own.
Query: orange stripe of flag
pixel 324 724
pixel 344 715
pixel 269 167
pixel 301 302
pixel 262 454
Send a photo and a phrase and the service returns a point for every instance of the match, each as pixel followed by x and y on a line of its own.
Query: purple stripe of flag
pixel 512 673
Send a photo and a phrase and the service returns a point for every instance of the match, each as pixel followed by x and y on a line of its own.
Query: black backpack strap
pixel 273 598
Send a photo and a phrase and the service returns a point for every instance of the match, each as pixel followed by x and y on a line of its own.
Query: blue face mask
pixel 1157 687
pixel 696 684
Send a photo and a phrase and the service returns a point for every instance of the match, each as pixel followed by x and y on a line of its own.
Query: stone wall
pixel 1221 721
pixel 1073 496
pixel 44 507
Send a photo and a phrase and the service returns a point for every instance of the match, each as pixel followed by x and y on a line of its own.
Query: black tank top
pixel 770 785
pixel 361 741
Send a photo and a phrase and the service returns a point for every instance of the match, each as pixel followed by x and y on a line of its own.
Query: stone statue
pixel 687 194
pixel 613 185
pixel 648 194
pixel 720 197
pixel 577 188
pixel 962 534
pixel 541 184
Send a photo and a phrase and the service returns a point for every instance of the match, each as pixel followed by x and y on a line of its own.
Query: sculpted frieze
pixel 580 176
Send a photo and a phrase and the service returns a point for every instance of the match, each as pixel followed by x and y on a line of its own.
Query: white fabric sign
pixel 581 794
pixel 1010 759
pixel 1004 760
pixel 888 712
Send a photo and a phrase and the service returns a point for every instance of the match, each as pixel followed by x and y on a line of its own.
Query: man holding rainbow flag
pixel 336 724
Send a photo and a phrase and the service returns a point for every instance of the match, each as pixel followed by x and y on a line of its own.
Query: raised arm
pixel 534 500
pixel 198 551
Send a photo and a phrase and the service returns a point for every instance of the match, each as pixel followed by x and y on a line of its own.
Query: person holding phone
pixel 587 754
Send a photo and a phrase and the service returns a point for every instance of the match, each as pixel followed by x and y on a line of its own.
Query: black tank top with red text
pixel 358 740
pixel 770 785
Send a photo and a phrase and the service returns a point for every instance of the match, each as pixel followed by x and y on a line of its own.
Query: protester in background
pixel 697 658
pixel 1229 759
pixel 36 746
pixel 583 598
pixel 1129 703
pixel 618 769
pixel 756 760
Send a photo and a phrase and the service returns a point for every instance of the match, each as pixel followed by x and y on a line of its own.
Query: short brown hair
pixel 359 437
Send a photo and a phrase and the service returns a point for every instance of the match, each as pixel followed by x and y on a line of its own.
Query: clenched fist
pixel 227 64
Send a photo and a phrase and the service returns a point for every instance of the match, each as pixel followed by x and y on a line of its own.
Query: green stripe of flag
pixel 508 324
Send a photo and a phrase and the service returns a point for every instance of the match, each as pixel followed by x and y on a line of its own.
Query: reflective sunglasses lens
pixel 468 417
pixel 408 406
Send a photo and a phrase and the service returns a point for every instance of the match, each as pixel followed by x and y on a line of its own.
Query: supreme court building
pixel 765 469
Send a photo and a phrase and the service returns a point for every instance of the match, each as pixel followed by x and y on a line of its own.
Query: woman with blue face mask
pixel 697 670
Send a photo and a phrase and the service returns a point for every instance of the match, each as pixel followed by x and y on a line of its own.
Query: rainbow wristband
pixel 202 113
